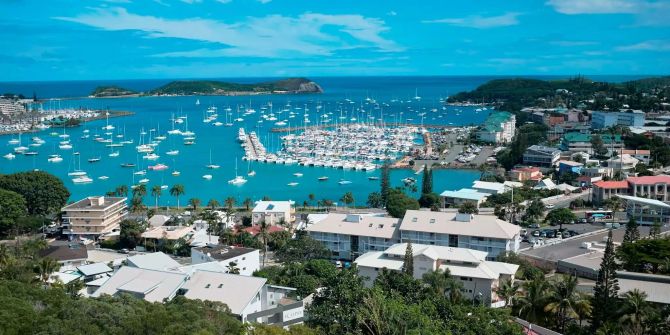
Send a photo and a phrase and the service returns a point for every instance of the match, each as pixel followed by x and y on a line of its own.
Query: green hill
pixel 111 91
pixel 210 87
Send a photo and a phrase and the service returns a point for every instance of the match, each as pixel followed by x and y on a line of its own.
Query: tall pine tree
pixel 408 262
pixel 655 229
pixel 427 184
pixel 385 183
pixel 606 292
pixel 632 232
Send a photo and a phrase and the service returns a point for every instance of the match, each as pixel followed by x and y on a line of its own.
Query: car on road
pixel 551 234
pixel 550 206
pixel 536 233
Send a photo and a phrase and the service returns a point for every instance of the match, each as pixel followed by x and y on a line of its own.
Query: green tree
pixel 137 205
pixel 427 182
pixel 140 191
pixel 44 193
pixel 507 291
pixel 264 236
pixel 632 232
pixel 232 268
pixel 247 203
pixel 605 293
pixel 46 267
pixel 398 203
pixel 121 191
pixel 385 183
pixel 635 312
pixel 334 309
pixel 194 202
pixel 213 204
pixel 560 216
pixel 375 200
pixel 408 261
pixel 229 202
pixel 311 197
pixel 177 190
pixel 468 207
pixel 562 300
pixel 302 248
pixel 429 200
pixel 598 146
pixel 130 234
pixel 156 192
pixel 655 230
pixel 532 302
pixel 347 198
pixel 12 207
pixel 535 210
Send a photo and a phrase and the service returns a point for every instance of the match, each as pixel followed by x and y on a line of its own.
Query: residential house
pixel 538 155
pixel 642 155
pixel 67 255
pixel 457 198
pixel 545 184
pixel 604 190
pixel 576 142
pixel 499 127
pixel 158 220
pixel 246 260
pixel 148 284
pixel 170 233
pixel 273 212
pixel 153 261
pixel 623 162
pixel 480 278
pixel 522 174
pixel 93 216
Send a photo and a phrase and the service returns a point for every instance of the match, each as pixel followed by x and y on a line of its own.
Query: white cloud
pixel 273 36
pixel 652 45
pixel 573 43
pixel 392 13
pixel 481 22
pixel 572 7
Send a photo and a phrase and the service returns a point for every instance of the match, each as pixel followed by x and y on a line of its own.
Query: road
pixel 564 201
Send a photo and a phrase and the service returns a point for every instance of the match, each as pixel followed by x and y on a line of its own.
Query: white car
pixel 550 206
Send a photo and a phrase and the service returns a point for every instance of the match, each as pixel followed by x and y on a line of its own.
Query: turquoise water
pixel 394 96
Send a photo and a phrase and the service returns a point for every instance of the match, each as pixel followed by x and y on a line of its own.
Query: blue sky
pixel 124 39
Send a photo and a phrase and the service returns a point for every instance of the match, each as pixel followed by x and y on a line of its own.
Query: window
pixel 432 220
pixel 220 285
pixel 244 258
pixel 207 286
pixel 414 219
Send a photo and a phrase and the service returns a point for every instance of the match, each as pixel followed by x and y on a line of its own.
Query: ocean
pixel 344 97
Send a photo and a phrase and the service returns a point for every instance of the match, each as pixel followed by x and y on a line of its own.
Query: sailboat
pixel 238 180
pixel 210 165
pixel 250 172
pixel 77 172
pixel 197 102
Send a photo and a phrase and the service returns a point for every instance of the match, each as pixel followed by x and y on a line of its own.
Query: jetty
pixel 372 124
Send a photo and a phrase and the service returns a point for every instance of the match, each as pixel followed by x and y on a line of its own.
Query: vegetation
pixel 560 216
pixel 12 207
pixel 606 290
pixel 468 207
pixel 44 193
pixel 210 87
pixel 645 255
pixel 527 135
pixel 111 91
pixel 398 203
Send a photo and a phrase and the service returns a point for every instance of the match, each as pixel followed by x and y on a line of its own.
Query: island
pixel 213 87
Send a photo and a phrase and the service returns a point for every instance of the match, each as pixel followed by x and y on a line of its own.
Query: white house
pixel 153 261
pixel 478 232
pixel 479 277
pixel 247 260
pixel 147 284
pixel 273 212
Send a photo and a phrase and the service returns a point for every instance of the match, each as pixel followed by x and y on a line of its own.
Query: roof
pixel 625 158
pixel 635 151
pixel 439 252
pixel 565 187
pixel 465 193
pixel 152 285
pixel 650 180
pixel 487 185
pixel 64 277
pixel 543 149
pixel 646 201
pixel 94 203
pixel 158 220
pixel 272 206
pixel 94 269
pixel 255 230
pixel 98 282
pixel 579 137
pixel 224 252
pixel 214 266
pixel 612 184
pixel 64 253
pixel 494 121
pixel 657 287
pixel 590 260
pixel 526 169
pixel 545 183
pixel 153 261
pixel 236 291
pixel 357 224
pixel 570 163
pixel 168 232
pixel 447 223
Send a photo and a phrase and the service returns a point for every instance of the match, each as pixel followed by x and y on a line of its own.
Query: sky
pixel 137 39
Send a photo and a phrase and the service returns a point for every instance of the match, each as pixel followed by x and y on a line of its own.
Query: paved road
pixel 565 200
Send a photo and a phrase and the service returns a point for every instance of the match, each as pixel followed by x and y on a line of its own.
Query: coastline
pixel 112 114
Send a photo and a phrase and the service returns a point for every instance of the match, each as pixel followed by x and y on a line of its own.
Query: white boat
pixel 20 150
pixel 65 146
pixel 114 154
pixel 103 177
pixel 207 177
pixel 164 187
pixel 82 180
pixel 140 173
pixel 14 141
pixel 158 167
pixel 292 184
pixel 324 178
pixel 210 165
pixel 144 180
pixel 218 124
pixel 55 159
pixel 251 173
pixel 9 156
pixel 238 180
pixel 176 173
pixel 298 174
pixel 344 182
pixel 94 160
pixel 152 156
pixel 172 152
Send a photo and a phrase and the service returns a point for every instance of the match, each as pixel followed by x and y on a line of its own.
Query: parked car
pixel 550 206
pixel 535 225
pixel 543 234
pixel 560 235
pixel 524 232
pixel 551 234
pixel 536 233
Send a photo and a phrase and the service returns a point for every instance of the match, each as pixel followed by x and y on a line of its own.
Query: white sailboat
pixel 210 165
pixel 238 180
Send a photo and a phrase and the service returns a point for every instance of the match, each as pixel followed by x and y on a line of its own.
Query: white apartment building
pixel 478 232
pixel 247 260
pixel 480 278
pixel 273 212
pixel 348 236
pixel 499 127
pixel 93 216
pixel 11 107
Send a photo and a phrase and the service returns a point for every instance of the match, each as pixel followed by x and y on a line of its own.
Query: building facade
pixel 273 212
pixel 93 216
pixel 538 155
pixel 601 120
pixel 499 127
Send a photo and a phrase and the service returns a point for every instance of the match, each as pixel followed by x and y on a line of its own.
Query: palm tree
pixel 614 203
pixel 562 300
pixel 121 191
pixel 194 202
pixel 507 291
pixel 46 267
pixel 227 236
pixel 311 197
pixel 176 191
pixel 213 204
pixel 230 203
pixel 140 190
pixel 247 203
pixel 305 204
pixel 156 193
pixel 264 235
pixel 136 204
pixel 634 311
pixel 531 304
pixel 583 307
pixel 442 283
pixel 347 198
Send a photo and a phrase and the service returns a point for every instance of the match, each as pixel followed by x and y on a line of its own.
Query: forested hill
pixel 209 87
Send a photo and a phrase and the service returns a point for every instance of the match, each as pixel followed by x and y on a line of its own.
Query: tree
pixel 655 230
pixel 264 236
pixel 614 203
pixel 347 198
pixel 429 200
pixel 560 216
pixel 177 190
pixel 635 311
pixel 156 192
pixel 44 193
pixel 408 261
pixel 213 204
pixel 300 249
pixel 247 203
pixel 311 197
pixel 46 267
pixel 12 207
pixel 532 302
pixel 427 182
pixel 334 308
pixel 194 202
pixel 375 200
pixel 140 191
pixel 131 234
pixel 229 202
pixel 136 204
pixel 398 203
pixel 562 300
pixel 468 207
pixel 121 191
pixel 385 183
pixel 598 146
pixel 535 210
pixel 232 268
pixel 632 232
pixel 508 290
pixel 605 293
pixel 442 284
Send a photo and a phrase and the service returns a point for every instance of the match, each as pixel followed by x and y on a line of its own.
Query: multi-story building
pixel 601 120
pixel 577 142
pixel 478 232
pixel 457 198
pixel 538 155
pixel 480 278
pixel 246 260
pixel 604 190
pixel 348 236
pixel 499 127
pixel 11 107
pixel 93 216
pixel 273 212
pixel 650 187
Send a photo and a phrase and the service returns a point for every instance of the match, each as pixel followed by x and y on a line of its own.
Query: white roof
pixel 158 220
pixel 625 158
pixel 201 238
pixel 487 185
pixel 168 232
pixel 652 202
pixel 565 187
pixel 376 259
pixel 207 266
pixel 447 223
pixel 657 287
pixel 439 252
pixel 236 291
pixel 314 218
pixel 153 261
pixel 272 207
pixel 98 282
pixel 465 193
pixel 153 285
pixel 545 183
pixel 94 269
pixel 357 224
pixel 63 277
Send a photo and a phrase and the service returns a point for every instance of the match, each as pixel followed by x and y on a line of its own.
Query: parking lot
pixel 579 228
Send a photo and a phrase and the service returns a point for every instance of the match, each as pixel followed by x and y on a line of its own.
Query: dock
pixel 376 124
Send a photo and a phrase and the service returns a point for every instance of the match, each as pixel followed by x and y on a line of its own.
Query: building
pixel 11 107
pixel 604 190
pixel 480 278
pixel 153 261
pixel 147 284
pixel 478 232
pixel 523 174
pixel 348 236
pixel 67 255
pixel 538 155
pixel 273 212
pixel 646 211
pixel 601 120
pixel 623 162
pixel 457 198
pixel 158 220
pixel 657 287
pixel 570 167
pixel 545 184
pixel 490 187
pixel 641 155
pixel 171 233
pixel 652 187
pixel 576 142
pixel 499 127
pixel 598 171
pixel 246 260
pixel 93 216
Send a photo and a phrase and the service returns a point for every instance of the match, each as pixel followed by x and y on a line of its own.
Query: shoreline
pixel 112 114
pixel 139 95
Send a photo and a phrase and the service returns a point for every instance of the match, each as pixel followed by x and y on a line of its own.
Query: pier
pixel 375 124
